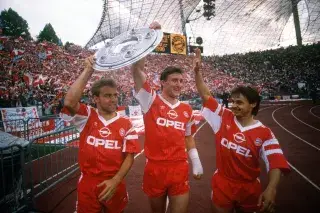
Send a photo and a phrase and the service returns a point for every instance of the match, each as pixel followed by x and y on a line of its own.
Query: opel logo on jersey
pixel 104 132
pixel 172 114
pixel 239 137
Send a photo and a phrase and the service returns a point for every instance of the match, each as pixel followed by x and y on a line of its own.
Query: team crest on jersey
pixel 122 132
pixel 186 114
pixel 258 142
pixel 172 114
pixel 105 132
pixel 239 137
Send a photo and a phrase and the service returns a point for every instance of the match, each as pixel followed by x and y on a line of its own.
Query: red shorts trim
pixel 162 178
pixel 88 193
pixel 230 194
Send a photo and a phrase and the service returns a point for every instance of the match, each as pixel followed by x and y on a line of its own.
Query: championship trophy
pixel 127 48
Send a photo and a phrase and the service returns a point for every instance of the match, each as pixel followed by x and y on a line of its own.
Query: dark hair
pixel 168 71
pixel 95 89
pixel 251 94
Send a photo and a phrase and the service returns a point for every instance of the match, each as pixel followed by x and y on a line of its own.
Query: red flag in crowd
pixel 28 79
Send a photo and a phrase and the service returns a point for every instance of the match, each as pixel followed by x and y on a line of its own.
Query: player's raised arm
pixel 202 88
pixel 137 68
pixel 73 96
pixel 139 77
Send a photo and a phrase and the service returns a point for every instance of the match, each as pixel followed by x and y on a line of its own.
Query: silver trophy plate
pixel 127 48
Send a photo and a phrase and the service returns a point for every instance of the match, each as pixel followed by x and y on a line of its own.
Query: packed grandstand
pixel 244 43
pixel 35 73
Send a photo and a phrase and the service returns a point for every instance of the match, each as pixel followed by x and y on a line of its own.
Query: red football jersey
pixel 166 126
pixel 238 148
pixel 102 142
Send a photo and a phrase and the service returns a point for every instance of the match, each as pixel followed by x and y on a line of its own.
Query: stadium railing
pixel 12 185
pixel 28 172
pixel 53 158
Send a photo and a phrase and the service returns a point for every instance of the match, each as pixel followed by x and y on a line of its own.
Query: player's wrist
pixel 117 179
pixel 193 154
pixel 195 160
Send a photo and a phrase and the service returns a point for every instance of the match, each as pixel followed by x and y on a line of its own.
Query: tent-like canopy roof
pixel 238 25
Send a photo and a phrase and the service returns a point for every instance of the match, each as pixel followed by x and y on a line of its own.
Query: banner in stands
pixel 24 122
pixel 135 111
pixel 178 44
pixel 164 46
pixel 10 117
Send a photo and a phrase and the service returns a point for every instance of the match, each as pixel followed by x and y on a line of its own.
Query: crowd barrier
pixel 30 168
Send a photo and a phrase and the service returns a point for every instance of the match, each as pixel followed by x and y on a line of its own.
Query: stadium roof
pixel 238 25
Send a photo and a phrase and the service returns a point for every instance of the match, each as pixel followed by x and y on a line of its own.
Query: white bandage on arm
pixel 196 163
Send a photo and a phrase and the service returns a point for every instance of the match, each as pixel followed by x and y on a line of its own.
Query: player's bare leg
pixel 216 209
pixel 179 203
pixel 158 204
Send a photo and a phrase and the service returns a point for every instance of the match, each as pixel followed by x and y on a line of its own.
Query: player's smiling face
pixel 173 85
pixel 241 106
pixel 107 99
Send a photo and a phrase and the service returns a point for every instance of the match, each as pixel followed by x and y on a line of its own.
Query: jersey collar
pixel 242 129
pixel 169 104
pixel 107 122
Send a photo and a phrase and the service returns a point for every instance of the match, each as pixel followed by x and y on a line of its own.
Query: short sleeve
pixel 80 119
pixel 212 111
pixel 191 126
pixel 131 143
pixel 145 96
pixel 272 154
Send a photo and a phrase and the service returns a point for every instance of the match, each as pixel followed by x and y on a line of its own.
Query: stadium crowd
pixel 34 73
pixel 283 70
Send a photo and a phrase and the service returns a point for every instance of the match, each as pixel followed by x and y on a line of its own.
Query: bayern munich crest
pixel 127 48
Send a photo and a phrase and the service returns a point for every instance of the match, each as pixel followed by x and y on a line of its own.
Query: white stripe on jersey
pixel 188 130
pixel 265 159
pixel 273 151
pixel 270 142
pixel 145 99
pixel 218 109
pixel 131 137
pixel 212 118
pixel 124 145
